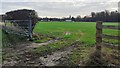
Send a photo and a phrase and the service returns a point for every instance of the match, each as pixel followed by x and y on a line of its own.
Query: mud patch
pixel 56 57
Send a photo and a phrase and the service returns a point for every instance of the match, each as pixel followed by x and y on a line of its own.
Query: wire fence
pixel 19 27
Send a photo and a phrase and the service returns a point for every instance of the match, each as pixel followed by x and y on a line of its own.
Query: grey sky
pixel 60 8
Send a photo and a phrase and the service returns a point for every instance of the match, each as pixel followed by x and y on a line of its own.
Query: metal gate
pixel 19 27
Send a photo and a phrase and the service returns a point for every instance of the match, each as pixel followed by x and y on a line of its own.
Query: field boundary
pixel 100 35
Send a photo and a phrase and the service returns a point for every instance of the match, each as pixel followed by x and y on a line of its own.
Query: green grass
pixel 76 31
pixel 111 23
pixel 81 31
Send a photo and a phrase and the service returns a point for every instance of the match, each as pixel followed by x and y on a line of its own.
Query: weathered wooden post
pixel 30 28
pixel 98 35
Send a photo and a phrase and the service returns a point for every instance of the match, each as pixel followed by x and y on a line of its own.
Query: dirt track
pixel 21 55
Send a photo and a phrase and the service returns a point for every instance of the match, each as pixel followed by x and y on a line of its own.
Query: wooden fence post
pixel 98 35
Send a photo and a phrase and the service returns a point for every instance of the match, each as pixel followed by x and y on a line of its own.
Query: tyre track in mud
pixel 26 58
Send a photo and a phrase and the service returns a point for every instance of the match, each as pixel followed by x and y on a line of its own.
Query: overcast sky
pixel 60 8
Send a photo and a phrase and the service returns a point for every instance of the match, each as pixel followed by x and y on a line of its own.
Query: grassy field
pixel 80 31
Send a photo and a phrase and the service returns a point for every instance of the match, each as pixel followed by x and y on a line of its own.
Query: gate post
pixel 30 29
pixel 98 35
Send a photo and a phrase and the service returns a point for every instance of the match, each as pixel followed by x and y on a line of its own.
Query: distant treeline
pixel 106 16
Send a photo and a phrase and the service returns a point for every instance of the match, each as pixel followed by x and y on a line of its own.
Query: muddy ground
pixel 21 55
